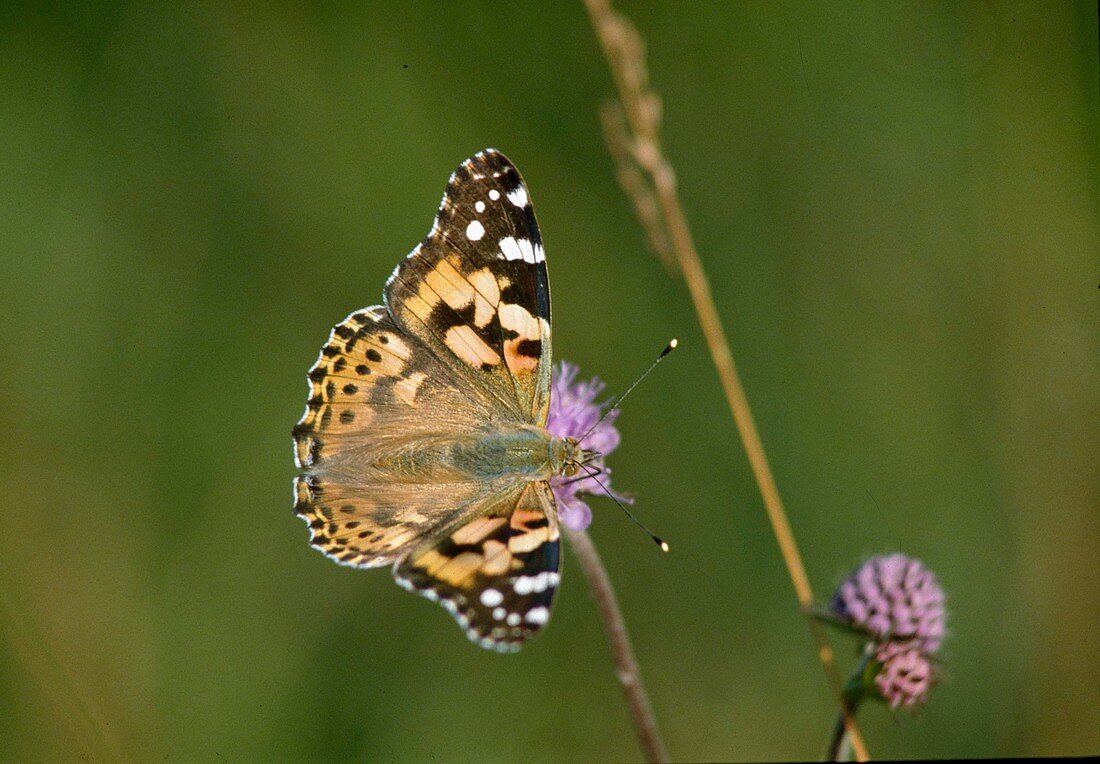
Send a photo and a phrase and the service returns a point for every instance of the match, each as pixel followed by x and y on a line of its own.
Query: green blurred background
pixel 898 206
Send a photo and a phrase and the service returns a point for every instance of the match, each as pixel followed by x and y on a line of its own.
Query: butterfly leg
pixel 592 473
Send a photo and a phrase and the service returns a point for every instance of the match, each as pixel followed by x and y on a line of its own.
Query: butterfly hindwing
pixel 475 290
pixel 496 573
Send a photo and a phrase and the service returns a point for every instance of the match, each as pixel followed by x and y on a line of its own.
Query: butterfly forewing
pixel 475 291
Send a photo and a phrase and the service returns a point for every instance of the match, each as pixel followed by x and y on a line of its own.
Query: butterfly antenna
pixel 656 539
pixel 668 349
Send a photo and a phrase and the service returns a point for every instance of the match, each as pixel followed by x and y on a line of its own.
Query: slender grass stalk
pixel 626 667
pixel 631 127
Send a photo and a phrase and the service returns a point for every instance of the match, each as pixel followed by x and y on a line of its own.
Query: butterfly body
pixel 524 453
pixel 515 452
pixel 423 444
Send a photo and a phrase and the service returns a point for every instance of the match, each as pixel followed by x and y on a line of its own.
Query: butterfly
pixel 423 444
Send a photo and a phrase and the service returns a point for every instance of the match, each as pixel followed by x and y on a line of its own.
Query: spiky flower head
pixel 905 674
pixel 893 597
pixel 573 412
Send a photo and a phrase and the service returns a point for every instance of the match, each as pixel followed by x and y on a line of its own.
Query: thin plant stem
pixel 626 667
pixel 631 127
pixel 840 749
pixel 840 746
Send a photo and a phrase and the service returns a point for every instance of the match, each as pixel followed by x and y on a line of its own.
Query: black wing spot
pixel 530 348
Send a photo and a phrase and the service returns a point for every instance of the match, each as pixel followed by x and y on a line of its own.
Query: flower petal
pixel 575 514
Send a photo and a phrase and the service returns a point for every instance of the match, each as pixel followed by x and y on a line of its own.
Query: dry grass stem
pixel 636 186
pixel 632 128
pixel 626 667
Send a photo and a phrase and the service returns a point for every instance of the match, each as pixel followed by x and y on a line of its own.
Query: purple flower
pixel 573 411
pixel 893 598
pixel 896 601
pixel 905 675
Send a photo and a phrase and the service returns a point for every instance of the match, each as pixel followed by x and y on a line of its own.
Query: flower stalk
pixel 626 667
pixel 840 747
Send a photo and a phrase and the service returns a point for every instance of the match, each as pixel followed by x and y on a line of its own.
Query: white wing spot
pixel 538 615
pixel 479 206
pixel 499 613
pixel 494 194
pixel 539 582
pixel 518 196
pixel 475 230
pixel 521 249
pixel 513 619
pixel 510 248
pixel 491 598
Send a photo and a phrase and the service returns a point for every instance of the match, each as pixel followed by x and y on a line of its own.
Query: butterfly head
pixel 574 457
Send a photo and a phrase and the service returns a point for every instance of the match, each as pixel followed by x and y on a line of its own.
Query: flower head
pixel 893 597
pixel 897 602
pixel 573 412
pixel 905 674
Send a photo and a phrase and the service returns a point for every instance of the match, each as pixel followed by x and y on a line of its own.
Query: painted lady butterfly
pixel 423 443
